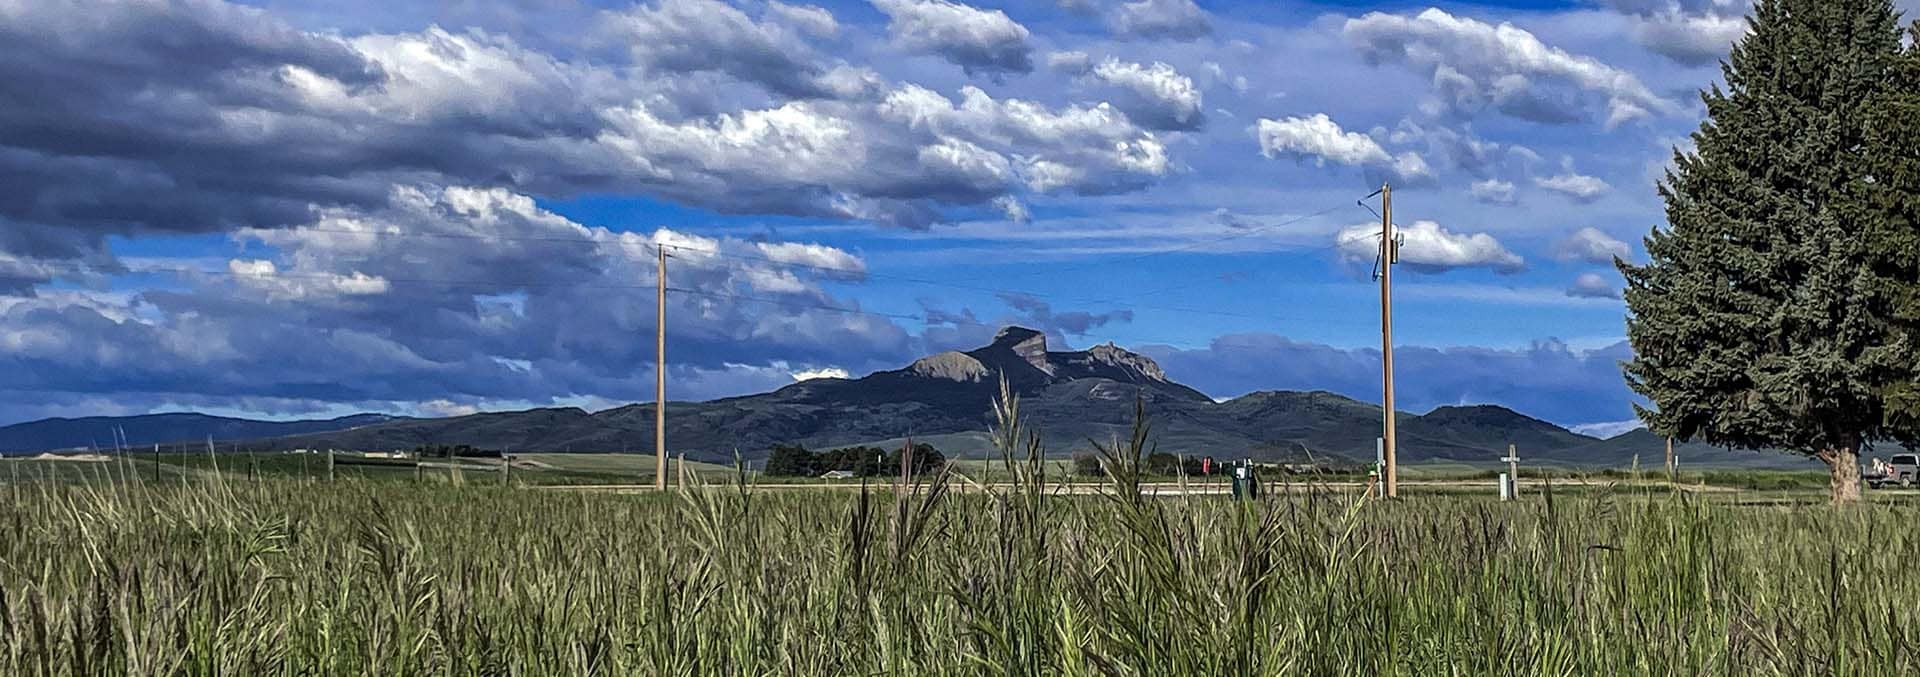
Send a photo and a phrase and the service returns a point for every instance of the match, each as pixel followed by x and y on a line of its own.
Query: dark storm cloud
pixel 194 116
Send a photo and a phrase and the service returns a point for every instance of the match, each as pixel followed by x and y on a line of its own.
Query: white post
pixel 1506 487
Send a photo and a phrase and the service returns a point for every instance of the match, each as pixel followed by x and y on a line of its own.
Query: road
pixel 1175 489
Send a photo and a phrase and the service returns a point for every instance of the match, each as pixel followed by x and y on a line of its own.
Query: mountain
pixel 150 429
pixel 1073 399
pixel 1621 450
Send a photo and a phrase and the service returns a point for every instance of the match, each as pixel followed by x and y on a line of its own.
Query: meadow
pixel 279 575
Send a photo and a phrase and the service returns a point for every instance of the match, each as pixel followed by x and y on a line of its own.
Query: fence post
pixel 329 465
pixel 506 470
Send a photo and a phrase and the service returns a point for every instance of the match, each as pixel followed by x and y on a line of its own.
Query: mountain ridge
pixel 1072 398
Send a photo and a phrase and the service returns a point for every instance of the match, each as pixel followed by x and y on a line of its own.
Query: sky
pixel 288 209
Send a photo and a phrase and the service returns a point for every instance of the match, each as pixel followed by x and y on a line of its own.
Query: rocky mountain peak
pixel 1028 344
pixel 950 365
pixel 1116 356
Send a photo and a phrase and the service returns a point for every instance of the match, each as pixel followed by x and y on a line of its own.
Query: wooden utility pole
pixel 906 462
pixel 1670 477
pixel 660 377
pixel 1388 255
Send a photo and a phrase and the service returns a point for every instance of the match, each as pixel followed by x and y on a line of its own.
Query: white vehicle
pixel 1903 470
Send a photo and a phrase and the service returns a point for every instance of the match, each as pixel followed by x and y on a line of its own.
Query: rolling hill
pixel 100 432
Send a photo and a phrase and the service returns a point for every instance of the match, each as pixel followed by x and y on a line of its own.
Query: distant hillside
pixel 1620 451
pixel 150 429
pixel 1072 398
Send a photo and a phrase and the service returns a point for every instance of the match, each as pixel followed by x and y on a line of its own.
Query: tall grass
pixel 281 576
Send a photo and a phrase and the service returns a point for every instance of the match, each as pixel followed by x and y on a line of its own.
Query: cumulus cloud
pixel 679 36
pixel 1493 191
pixel 1692 32
pixel 1593 286
pixel 1579 187
pixel 1084 149
pixel 1547 379
pixel 1475 66
pixel 1322 140
pixel 1156 95
pixel 977 40
pixel 1180 20
pixel 824 372
pixel 1590 245
pixel 458 294
pixel 1428 248
pixel 222 117
pixel 810 19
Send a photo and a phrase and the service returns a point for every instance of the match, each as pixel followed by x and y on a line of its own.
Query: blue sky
pixel 291 209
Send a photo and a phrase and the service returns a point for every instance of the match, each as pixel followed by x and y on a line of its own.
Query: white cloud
pixel 1492 191
pixel 679 36
pixel 826 372
pixel 1608 429
pixel 1427 247
pixel 1572 184
pixel 974 39
pixel 442 408
pixel 1180 20
pixel 1086 149
pixel 1692 32
pixel 1072 63
pixel 1013 209
pixel 1158 96
pixel 1590 245
pixel 1320 138
pixel 813 20
pixel 1593 286
pixel 265 276
pixel 1475 65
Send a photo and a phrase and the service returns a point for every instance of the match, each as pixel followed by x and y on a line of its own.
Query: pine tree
pixel 1767 314
pixel 1895 163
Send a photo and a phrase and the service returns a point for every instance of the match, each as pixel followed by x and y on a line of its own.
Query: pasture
pixel 239 572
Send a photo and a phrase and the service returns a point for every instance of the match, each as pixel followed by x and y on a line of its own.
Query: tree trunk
pixel 1843 464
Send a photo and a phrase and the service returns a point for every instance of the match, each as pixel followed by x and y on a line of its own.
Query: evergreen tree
pixel 792 461
pixel 1895 162
pixel 1766 316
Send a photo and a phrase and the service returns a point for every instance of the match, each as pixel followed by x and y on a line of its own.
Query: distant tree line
pixel 453 451
pixel 1157 463
pixel 793 460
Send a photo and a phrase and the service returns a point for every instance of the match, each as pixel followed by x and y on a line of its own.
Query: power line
pixel 958 321
pixel 1336 245
pixel 793 304
pixel 1247 232
pixel 660 247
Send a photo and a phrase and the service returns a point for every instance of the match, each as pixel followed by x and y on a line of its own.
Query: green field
pixel 218 574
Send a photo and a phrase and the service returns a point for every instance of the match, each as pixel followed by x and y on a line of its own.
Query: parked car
pixel 1902 470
